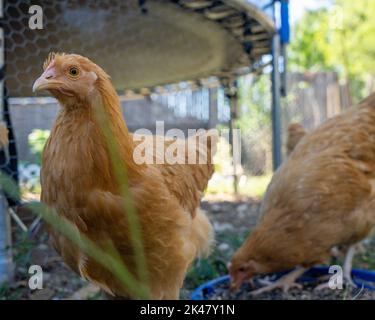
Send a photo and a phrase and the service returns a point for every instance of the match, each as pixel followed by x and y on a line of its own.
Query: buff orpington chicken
pixel 79 182
pixel 322 196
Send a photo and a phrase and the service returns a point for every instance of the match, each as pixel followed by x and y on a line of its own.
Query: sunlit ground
pixel 250 186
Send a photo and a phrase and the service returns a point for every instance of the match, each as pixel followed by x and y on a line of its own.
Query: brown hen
pixel 79 182
pixel 322 196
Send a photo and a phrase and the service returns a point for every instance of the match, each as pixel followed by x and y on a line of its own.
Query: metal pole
pixel 285 39
pixel 6 265
pixel 232 126
pixel 232 95
pixel 213 116
pixel 276 113
pixel 284 79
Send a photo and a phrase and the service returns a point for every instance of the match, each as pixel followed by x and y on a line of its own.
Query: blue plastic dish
pixel 362 278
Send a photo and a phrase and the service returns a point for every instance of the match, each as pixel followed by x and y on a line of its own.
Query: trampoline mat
pixel 160 43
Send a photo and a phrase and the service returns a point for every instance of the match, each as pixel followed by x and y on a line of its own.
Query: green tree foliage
pixel 37 139
pixel 338 38
pixel 309 49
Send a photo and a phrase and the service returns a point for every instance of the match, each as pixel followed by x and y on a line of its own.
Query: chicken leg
pixel 347 269
pixel 348 264
pixel 285 282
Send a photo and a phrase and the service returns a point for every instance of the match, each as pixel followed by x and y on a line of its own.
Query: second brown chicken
pixel 321 197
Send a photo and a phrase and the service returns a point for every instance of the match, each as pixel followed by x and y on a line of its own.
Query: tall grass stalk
pixel 120 172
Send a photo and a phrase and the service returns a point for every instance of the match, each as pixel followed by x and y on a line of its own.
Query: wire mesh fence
pixel 150 43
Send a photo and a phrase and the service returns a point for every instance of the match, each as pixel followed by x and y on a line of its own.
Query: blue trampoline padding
pixel 285 27
pixel 360 277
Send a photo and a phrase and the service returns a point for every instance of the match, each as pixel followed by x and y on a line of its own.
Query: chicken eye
pixel 74 71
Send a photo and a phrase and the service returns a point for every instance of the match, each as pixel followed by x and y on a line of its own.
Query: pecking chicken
pixel 321 197
pixel 79 182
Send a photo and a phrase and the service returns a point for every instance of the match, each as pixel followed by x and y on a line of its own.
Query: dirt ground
pixel 232 222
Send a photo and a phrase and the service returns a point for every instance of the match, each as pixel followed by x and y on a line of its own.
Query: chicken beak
pixel 237 281
pixel 46 81
pixel 234 287
pixel 237 278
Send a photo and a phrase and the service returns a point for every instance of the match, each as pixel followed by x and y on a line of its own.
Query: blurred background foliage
pixel 37 139
pixel 336 37
pixel 340 38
